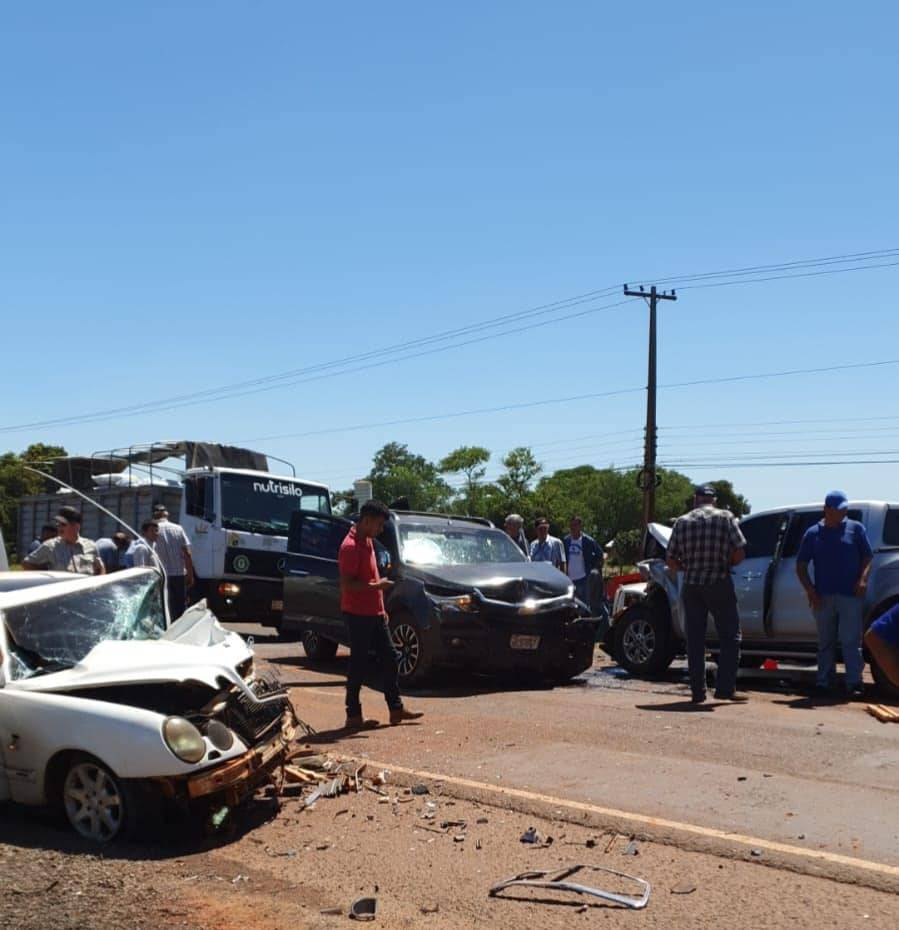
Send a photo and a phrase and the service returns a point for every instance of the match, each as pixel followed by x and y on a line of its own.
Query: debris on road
pixel 364 909
pixel 419 790
pixel 883 713
pixel 430 908
pixel 683 888
pixel 632 849
pixel 530 835
pixel 559 882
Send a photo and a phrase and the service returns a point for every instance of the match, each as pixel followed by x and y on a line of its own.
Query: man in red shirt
pixel 362 603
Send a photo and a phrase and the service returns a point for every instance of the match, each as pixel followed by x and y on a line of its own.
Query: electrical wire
pixel 338 366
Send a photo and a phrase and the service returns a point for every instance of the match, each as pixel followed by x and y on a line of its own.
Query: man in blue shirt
pixel 582 555
pixel 882 640
pixel 842 555
pixel 546 548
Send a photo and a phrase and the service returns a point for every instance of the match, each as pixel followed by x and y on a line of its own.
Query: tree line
pixel 608 500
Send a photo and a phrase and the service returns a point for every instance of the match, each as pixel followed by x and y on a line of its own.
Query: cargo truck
pixel 235 511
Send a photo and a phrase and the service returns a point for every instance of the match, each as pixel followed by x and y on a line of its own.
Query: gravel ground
pixel 280 870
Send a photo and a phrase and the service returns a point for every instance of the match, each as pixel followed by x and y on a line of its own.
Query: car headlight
pixel 219 735
pixel 184 739
pixel 461 602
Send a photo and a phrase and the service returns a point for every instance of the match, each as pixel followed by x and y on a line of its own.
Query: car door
pixel 311 578
pixel 791 618
pixel 752 575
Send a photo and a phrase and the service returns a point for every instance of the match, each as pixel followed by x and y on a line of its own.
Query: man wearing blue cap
pixel 842 555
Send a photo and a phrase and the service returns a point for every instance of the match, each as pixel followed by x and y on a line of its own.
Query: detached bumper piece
pixel 241 775
pixel 559 882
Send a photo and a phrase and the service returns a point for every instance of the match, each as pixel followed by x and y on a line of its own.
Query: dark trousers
pixel 176 588
pixel 367 635
pixel 719 600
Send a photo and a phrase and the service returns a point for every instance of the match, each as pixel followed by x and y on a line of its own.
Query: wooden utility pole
pixel 648 479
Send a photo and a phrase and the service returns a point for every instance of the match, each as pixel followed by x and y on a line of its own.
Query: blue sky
pixel 196 194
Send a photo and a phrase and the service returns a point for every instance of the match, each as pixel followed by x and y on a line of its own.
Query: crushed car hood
pixel 196 648
pixel 496 574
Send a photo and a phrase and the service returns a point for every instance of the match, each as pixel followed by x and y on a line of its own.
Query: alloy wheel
pixel 406 640
pixel 639 642
pixel 93 802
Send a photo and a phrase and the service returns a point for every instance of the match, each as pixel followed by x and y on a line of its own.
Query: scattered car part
pixel 558 882
pixel 420 790
pixel 364 909
pixel 530 835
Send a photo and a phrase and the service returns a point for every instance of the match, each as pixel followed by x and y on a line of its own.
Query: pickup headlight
pixel 460 602
pixel 184 739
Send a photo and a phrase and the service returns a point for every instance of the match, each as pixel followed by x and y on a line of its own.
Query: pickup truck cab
pixel 775 618
pixel 464 596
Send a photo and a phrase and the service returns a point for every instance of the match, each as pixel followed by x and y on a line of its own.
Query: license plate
pixel 277 605
pixel 524 642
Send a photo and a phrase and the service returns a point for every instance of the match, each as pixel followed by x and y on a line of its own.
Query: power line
pixel 338 366
pixel 692 426
pixel 502 408
pixel 730 465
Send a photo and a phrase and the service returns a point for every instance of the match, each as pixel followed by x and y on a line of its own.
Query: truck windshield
pixel 59 630
pixel 265 505
pixel 438 545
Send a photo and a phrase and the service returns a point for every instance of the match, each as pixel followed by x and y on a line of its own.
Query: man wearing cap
pixel 546 548
pixel 841 553
pixel 173 549
pixel 705 544
pixel 67 552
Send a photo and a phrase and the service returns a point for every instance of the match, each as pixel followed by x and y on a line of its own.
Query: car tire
pixel 317 647
pixel 99 806
pixel 644 641
pixel 415 662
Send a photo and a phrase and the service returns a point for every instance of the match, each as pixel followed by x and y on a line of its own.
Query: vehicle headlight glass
pixel 219 735
pixel 184 739
pixel 461 602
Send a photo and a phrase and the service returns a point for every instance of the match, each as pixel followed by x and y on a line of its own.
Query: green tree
pixel 470 461
pixel 396 472
pixel 15 482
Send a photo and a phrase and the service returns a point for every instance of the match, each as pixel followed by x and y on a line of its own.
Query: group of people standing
pixel 707 542
pixel 576 555
pixel 62 548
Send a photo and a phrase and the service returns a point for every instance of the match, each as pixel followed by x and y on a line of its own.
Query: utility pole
pixel 648 479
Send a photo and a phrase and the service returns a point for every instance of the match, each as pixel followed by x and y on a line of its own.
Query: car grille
pixel 254 721
pixel 517 590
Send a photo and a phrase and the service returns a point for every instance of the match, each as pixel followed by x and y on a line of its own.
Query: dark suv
pixel 464 596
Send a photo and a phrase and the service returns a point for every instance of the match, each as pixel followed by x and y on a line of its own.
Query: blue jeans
pixel 840 618
pixel 580 588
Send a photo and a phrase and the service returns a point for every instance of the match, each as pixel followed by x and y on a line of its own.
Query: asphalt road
pixel 780 767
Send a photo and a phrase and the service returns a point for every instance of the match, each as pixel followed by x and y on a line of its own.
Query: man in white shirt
pixel 173 548
pixel 546 548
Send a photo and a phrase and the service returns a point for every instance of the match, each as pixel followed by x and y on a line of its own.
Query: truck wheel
pixel 317 647
pixel 644 641
pixel 98 804
pixel 414 662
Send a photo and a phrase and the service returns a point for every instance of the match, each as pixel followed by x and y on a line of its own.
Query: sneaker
pixel 698 698
pixel 857 693
pixel 358 722
pixel 733 697
pixel 400 714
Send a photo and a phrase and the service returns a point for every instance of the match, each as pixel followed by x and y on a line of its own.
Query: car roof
pixel 818 507
pixel 17 581
pixel 439 519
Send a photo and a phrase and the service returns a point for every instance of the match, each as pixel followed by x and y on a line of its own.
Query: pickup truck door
pixel 752 575
pixel 791 618
pixel 311 577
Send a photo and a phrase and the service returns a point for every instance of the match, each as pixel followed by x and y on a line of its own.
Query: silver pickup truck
pixel 774 614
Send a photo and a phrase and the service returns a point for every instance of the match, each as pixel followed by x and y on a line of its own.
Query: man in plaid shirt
pixel 704 545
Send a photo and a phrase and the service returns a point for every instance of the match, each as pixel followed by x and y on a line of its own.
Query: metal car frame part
pixel 538 879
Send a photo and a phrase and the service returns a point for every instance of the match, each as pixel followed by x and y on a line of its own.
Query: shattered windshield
pixel 436 545
pixel 265 506
pixel 58 631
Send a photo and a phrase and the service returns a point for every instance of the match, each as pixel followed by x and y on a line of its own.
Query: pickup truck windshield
pixel 265 505
pixel 436 545
pixel 58 631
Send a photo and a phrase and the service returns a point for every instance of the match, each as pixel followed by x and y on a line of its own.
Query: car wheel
pixel 96 802
pixel 414 663
pixel 644 641
pixel 317 647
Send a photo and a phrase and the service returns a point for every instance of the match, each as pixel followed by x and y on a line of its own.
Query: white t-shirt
pixel 576 567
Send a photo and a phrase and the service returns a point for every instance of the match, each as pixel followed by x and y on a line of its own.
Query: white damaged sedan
pixel 103 709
